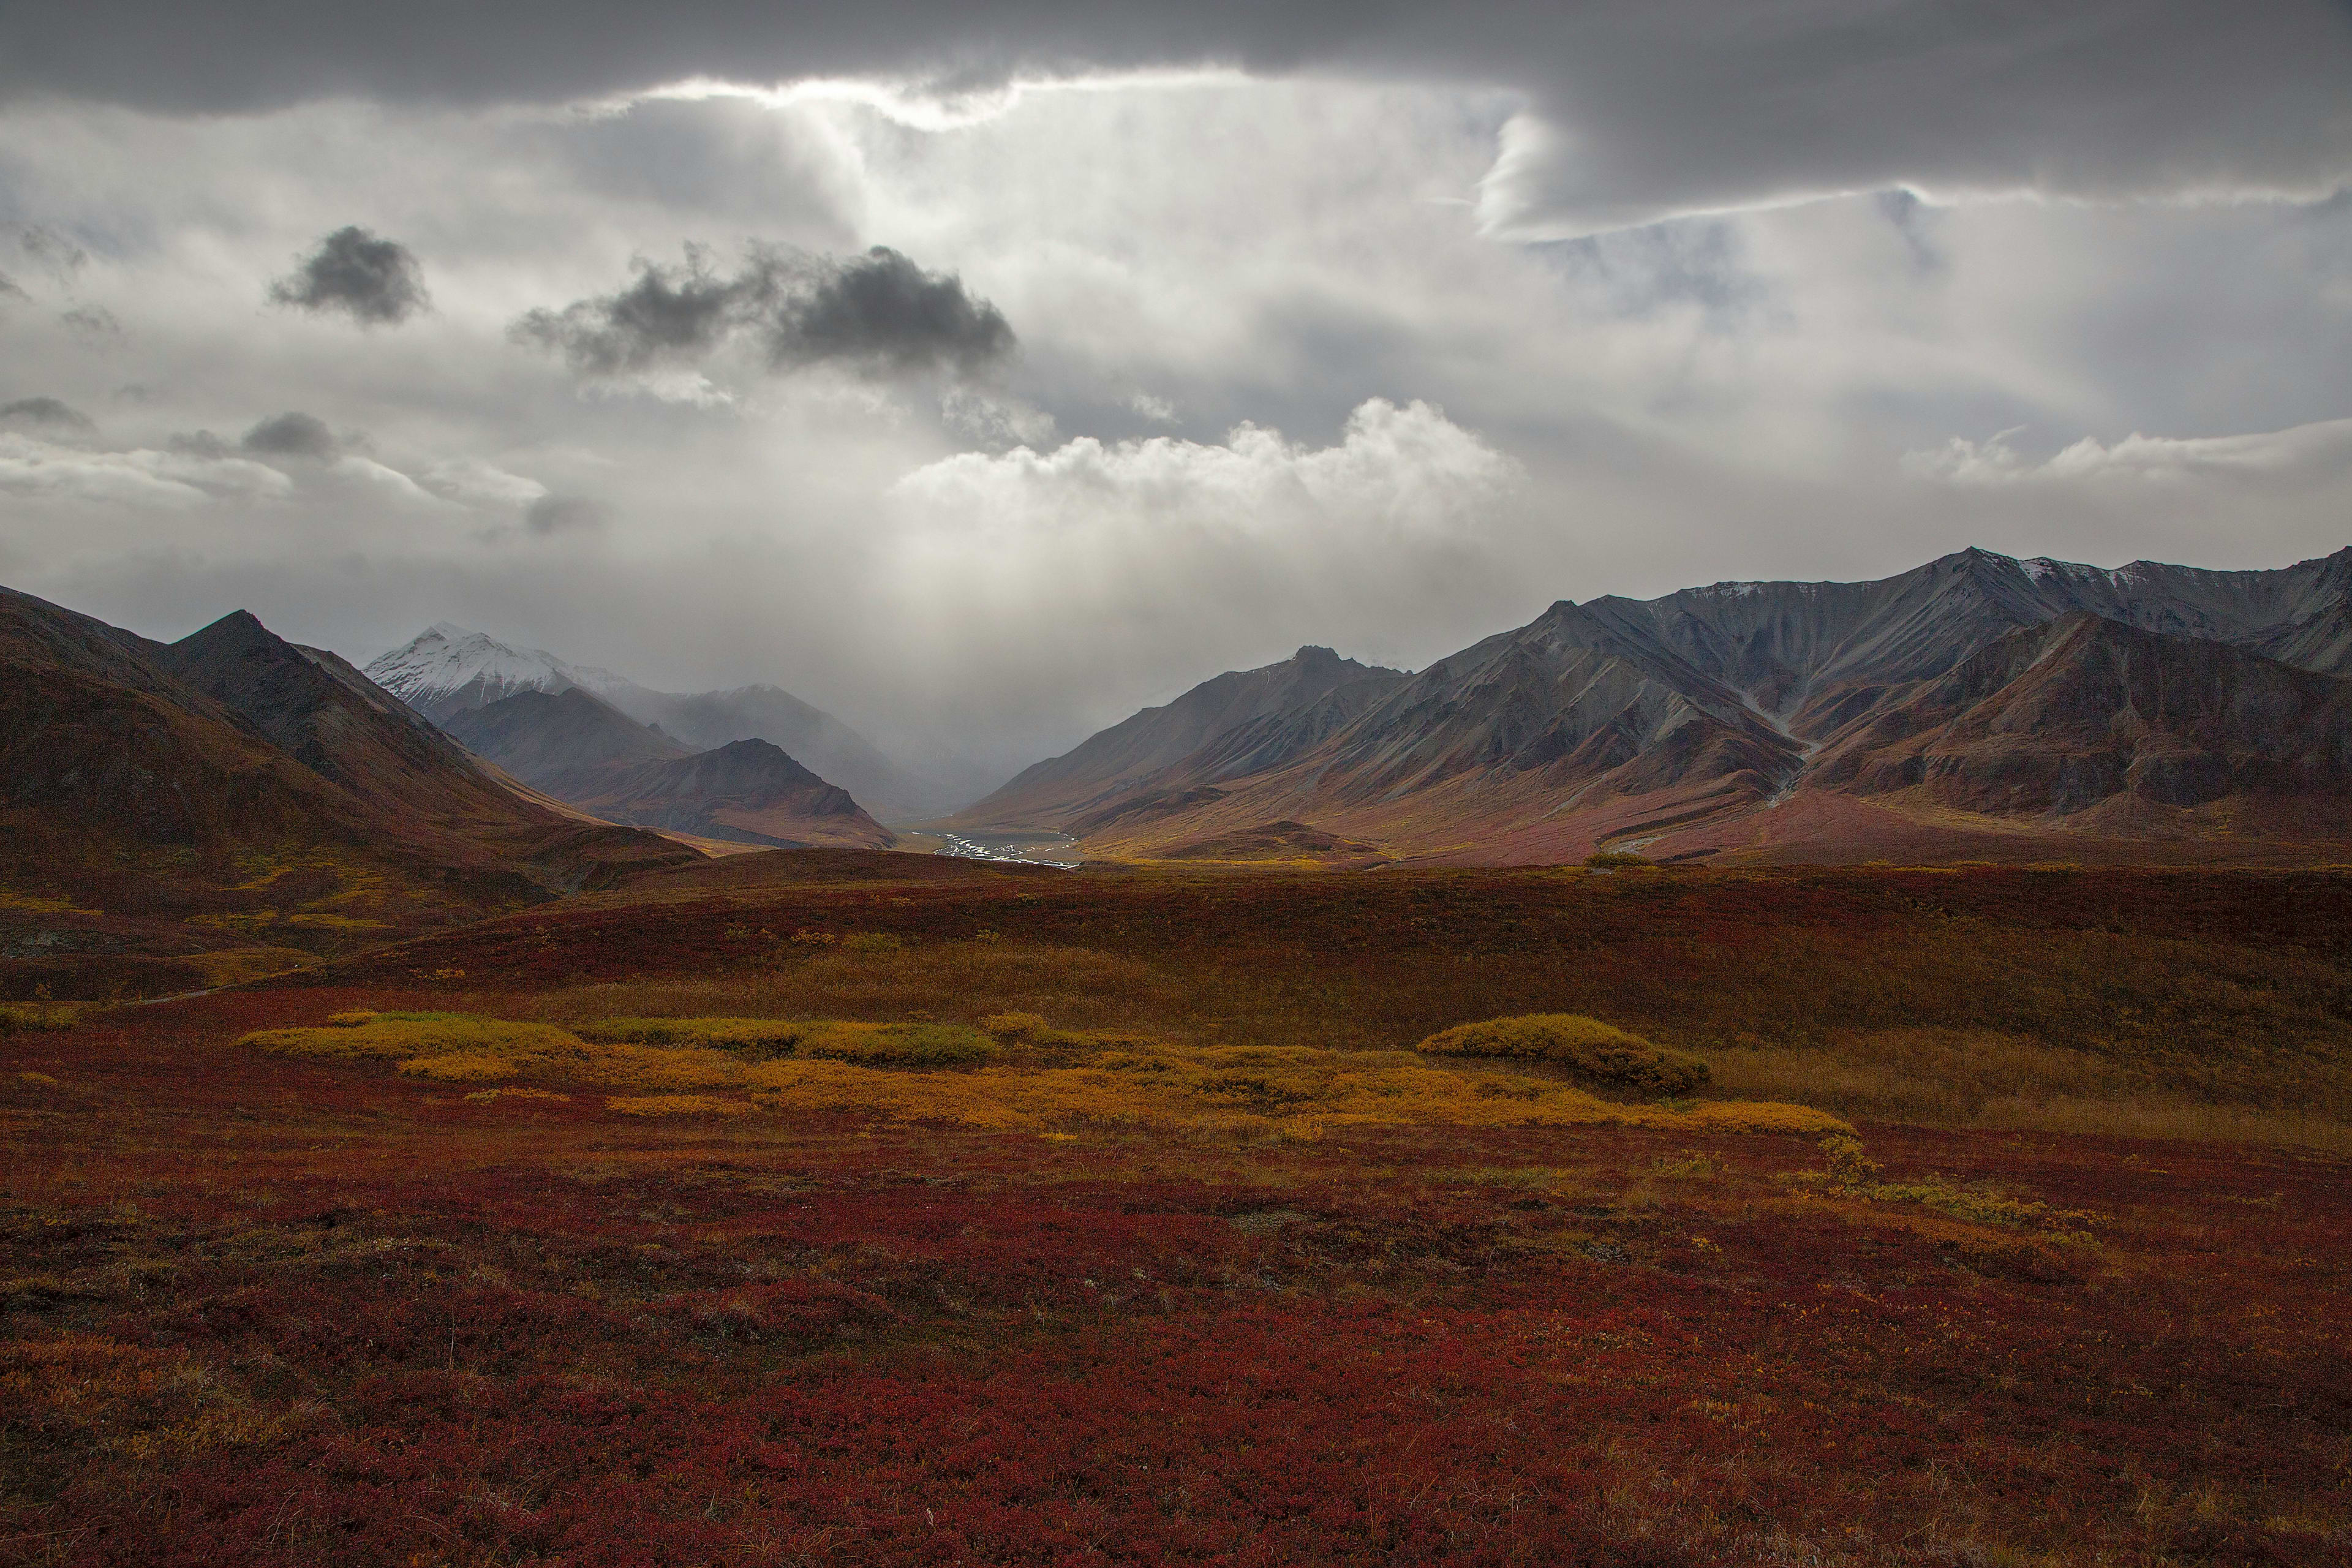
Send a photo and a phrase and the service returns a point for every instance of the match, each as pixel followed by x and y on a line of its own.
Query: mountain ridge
pixel 1673 721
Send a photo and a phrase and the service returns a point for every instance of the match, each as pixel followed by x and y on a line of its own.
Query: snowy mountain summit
pixel 446 670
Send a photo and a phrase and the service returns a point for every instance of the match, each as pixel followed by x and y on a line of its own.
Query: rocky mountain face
pixel 584 751
pixel 2030 697
pixel 445 671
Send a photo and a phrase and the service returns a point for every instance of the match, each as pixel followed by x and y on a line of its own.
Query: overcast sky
pixel 982 373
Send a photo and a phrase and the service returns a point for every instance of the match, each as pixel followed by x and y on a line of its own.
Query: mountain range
pixel 447 670
pixel 1977 705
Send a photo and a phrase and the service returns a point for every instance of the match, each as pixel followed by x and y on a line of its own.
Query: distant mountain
pixel 1241 722
pixel 1976 697
pixel 263 786
pixel 564 742
pixel 749 791
pixel 580 749
pixel 447 670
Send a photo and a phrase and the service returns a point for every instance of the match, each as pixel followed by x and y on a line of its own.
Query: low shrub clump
pixel 899 1044
pixel 1616 860
pixel 453 1047
pixel 33 1015
pixel 755 1038
pixel 1595 1052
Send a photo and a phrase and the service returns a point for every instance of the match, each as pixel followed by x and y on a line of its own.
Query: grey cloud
pixel 878 312
pixel 292 434
pixel 1642 107
pixel 198 443
pixel 374 280
pixel 91 323
pixel 46 411
pixel 53 252
pixel 552 514
pixel 881 308
pixel 9 290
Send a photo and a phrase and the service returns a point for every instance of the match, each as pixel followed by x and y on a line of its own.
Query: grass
pixel 301 1309
pixel 1956 1077
pixel 2174 1002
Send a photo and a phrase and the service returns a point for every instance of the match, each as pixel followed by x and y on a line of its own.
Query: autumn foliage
pixel 1200 1261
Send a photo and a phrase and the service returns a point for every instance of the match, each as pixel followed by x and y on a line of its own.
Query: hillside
pixel 748 791
pixel 1263 717
pixel 202 806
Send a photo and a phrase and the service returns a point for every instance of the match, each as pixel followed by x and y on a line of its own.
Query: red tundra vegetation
pixel 2054 1270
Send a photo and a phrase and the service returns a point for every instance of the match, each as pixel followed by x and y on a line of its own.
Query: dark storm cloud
pixel 293 435
pixel 46 411
pixel 1642 107
pixel 374 280
pixel 878 312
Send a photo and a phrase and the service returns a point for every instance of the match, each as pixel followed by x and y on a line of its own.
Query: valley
pixel 1619 1095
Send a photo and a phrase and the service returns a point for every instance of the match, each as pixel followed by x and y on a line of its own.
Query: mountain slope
pixel 560 741
pixel 329 717
pixel 101 744
pixel 1166 748
pixel 750 792
pixel 2078 712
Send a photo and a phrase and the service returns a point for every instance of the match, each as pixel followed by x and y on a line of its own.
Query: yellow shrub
pixel 350 1020
pixel 16 1016
pixel 899 1045
pixel 461 1067
pixel 1589 1050
pixel 744 1037
pixel 1014 1025
pixel 399 1036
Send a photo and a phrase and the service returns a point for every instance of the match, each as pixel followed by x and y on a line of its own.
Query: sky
pixel 984 373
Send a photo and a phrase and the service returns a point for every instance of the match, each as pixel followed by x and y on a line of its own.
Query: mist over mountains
pixel 447 670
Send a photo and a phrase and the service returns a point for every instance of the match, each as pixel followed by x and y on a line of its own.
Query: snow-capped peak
pixel 448 668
